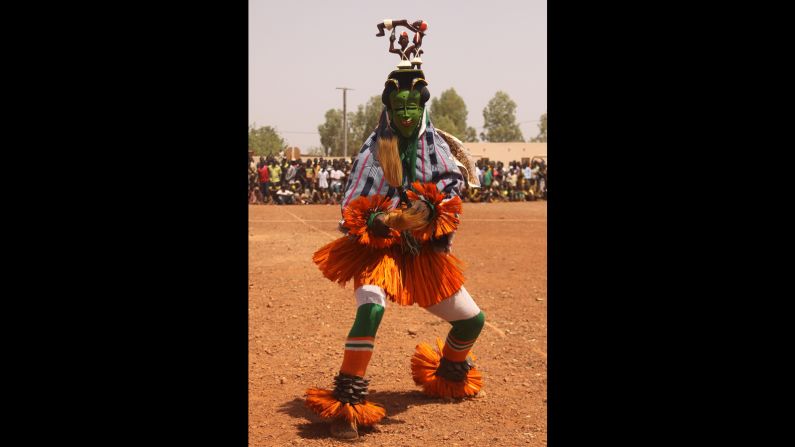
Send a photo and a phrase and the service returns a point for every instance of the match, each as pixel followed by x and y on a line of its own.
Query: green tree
pixel 264 140
pixel 364 122
pixel 446 124
pixel 499 120
pixel 471 135
pixel 449 113
pixel 360 125
pixel 331 133
pixel 542 131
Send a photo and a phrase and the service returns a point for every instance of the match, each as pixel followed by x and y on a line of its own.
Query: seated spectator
pixel 272 193
pixel 519 194
pixel 475 195
pixel 488 195
pixel 306 195
pixel 253 196
pixel 505 193
pixel 284 195
pixel 530 195
pixel 316 196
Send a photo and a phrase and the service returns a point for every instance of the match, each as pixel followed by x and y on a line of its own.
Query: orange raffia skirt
pixel 425 278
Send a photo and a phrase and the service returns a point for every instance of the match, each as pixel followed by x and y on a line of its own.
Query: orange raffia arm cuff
pixel 357 217
pixel 444 215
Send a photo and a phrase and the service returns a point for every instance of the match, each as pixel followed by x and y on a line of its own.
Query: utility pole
pixel 344 119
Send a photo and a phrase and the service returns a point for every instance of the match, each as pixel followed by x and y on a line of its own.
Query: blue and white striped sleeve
pixel 365 177
pixel 448 178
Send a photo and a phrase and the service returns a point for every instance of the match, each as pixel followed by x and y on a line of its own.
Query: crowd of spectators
pixel 281 181
pixel 287 182
pixel 516 182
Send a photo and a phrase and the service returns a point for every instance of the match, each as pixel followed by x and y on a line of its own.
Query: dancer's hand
pixel 418 207
pixel 444 244
pixel 378 227
pixel 341 227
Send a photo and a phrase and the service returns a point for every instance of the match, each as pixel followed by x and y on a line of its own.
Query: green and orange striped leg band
pixel 462 336
pixel 361 339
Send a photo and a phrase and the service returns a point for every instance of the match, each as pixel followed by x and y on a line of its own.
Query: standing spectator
pixel 322 182
pixel 300 173
pixel 318 168
pixel 264 179
pixel 488 177
pixel 291 171
pixel 275 173
pixel 534 179
pixel 310 174
pixel 488 181
pixel 253 178
pixel 498 173
pixel 542 180
pixel 527 173
pixel 513 177
pixel 336 179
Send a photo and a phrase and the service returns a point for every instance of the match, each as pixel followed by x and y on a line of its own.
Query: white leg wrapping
pixel 460 306
pixel 370 294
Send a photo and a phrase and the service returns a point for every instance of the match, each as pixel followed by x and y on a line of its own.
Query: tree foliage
pixel 449 113
pixel 542 131
pixel 360 125
pixel 264 140
pixel 364 122
pixel 499 120
pixel 331 133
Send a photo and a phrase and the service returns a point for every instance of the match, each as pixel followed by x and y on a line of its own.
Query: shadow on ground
pixel 395 402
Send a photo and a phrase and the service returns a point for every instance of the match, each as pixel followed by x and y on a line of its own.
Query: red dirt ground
pixel 298 321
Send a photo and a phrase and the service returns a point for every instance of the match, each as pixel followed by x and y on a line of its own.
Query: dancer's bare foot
pixel 342 429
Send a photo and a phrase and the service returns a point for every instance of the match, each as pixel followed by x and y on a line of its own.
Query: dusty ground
pixel 298 322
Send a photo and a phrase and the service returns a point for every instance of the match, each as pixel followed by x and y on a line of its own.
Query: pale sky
pixel 300 51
